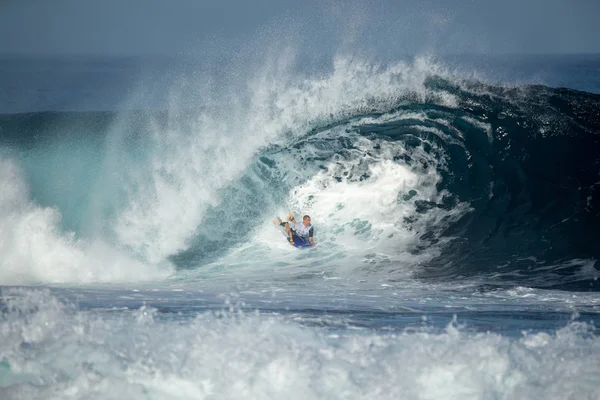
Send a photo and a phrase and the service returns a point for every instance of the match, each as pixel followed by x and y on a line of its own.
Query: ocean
pixel 455 202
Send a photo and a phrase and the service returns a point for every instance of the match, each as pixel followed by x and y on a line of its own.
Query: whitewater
pixel 456 217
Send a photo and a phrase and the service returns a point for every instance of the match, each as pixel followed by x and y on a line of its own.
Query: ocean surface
pixel 456 205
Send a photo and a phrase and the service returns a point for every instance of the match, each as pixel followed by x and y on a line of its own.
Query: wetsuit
pixel 301 232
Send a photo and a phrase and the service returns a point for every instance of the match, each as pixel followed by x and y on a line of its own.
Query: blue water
pixel 455 203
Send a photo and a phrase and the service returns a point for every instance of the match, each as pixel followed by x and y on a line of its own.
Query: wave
pixel 408 172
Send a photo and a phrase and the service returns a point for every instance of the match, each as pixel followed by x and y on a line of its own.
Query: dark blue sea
pixel 455 203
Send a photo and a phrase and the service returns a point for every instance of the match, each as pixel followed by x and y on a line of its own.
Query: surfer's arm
pixel 310 236
pixel 291 218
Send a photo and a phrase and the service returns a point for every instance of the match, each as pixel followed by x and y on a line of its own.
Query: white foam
pixel 370 215
pixel 52 351
pixel 160 201
pixel 189 165
pixel 374 201
pixel 33 249
pixel 363 205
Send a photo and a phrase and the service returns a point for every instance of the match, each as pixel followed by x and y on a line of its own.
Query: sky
pixel 384 27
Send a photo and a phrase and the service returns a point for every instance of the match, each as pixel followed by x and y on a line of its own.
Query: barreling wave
pixel 443 179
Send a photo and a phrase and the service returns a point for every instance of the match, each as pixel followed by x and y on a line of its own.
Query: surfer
pixel 298 231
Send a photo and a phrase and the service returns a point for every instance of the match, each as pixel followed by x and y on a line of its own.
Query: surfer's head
pixel 306 220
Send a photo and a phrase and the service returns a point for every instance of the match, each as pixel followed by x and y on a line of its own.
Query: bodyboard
pixel 299 243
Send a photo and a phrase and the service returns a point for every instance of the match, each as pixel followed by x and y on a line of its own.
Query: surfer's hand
pixel 291 242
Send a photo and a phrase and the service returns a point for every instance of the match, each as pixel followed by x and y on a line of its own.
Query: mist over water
pixel 152 180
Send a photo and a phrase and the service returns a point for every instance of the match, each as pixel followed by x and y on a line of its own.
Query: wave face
pixel 406 171
pixel 526 161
